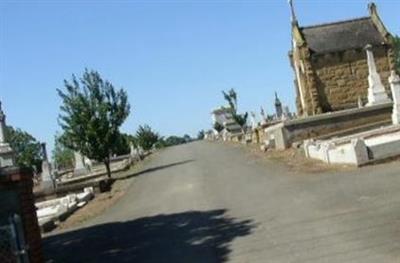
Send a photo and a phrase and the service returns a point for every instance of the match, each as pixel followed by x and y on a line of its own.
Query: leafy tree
pixel 28 152
pixel 91 113
pixel 146 137
pixel 397 52
pixel 231 98
pixel 63 157
pixel 161 143
pixel 122 146
pixel 218 127
pixel 200 135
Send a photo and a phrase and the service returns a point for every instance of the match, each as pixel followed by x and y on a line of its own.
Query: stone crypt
pixel 330 62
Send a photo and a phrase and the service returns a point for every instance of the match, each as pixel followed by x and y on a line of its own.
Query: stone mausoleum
pixel 330 62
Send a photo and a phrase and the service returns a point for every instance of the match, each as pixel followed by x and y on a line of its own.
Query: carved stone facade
pixel 330 62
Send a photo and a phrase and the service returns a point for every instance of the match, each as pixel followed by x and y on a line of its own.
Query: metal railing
pixel 12 243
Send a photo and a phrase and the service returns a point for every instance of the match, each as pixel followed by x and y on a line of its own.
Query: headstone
pixel 80 168
pixel 47 183
pixel 376 91
pixel 134 152
pixel 140 152
pixel 253 120
pixel 394 81
pixel 286 113
pixel 325 148
pixel 360 151
pixel 88 163
pixel 132 149
pixel 224 134
pixel 6 152
pixel 306 144
pixel 263 116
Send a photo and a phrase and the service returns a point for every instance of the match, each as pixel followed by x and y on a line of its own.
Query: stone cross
pixel 394 81
pixel 376 90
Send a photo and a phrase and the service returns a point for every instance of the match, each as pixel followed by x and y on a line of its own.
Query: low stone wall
pixel 328 124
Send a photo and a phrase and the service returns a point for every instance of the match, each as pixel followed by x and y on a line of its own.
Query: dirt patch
pixel 102 201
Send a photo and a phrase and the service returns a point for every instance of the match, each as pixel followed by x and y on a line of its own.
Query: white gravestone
pixel 286 113
pixel 134 152
pixel 88 163
pixel 263 116
pixel 359 102
pixel 253 120
pixel 394 81
pixel 80 168
pixel 6 152
pixel 376 91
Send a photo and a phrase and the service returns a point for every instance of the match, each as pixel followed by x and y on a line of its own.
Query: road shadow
pixel 193 236
pixel 153 169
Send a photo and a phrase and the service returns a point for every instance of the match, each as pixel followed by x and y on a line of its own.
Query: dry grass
pixel 295 160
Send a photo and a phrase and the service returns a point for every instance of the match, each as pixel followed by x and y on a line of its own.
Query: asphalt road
pixel 206 202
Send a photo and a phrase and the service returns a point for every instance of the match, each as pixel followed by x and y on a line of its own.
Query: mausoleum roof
pixel 343 35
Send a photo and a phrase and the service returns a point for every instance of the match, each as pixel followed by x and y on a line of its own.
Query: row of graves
pixel 61 192
pixel 348 95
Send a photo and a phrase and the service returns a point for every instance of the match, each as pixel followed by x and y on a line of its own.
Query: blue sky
pixel 172 57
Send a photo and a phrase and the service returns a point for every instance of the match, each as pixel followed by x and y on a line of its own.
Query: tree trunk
pixel 107 164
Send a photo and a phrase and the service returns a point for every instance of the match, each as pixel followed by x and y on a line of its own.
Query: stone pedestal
pixel 394 81
pixel 6 155
pixel 80 168
pixel 47 183
pixel 376 91
pixel 253 120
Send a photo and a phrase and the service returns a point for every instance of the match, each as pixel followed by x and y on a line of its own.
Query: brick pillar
pixel 20 182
